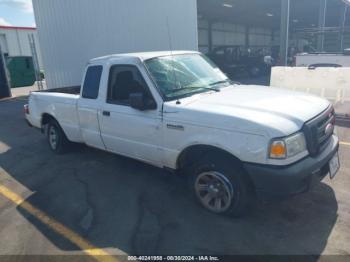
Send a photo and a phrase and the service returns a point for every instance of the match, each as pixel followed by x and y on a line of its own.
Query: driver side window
pixel 123 81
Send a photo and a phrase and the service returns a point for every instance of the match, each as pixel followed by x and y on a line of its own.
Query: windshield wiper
pixel 203 87
pixel 197 88
pixel 227 81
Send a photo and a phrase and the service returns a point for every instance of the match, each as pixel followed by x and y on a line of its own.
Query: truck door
pixel 126 130
pixel 88 107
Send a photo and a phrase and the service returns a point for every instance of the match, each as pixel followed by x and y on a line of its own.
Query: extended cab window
pixel 123 81
pixel 92 82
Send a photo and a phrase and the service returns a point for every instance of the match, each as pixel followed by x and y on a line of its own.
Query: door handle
pixel 106 113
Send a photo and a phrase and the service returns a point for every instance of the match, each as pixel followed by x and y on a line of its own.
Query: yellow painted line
pixel 345 143
pixel 88 248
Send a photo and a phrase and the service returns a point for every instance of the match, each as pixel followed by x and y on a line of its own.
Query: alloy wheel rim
pixel 214 191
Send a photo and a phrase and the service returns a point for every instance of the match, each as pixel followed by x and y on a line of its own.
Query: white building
pixel 14 41
pixel 73 32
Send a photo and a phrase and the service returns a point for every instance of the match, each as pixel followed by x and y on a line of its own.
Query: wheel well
pixel 46 118
pixel 192 154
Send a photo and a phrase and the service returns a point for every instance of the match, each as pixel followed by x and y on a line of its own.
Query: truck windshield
pixel 181 76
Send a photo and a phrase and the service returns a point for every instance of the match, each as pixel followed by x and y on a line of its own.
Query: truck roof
pixel 142 56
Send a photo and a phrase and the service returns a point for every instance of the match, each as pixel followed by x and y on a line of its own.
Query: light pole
pixel 321 25
pixel 284 35
pixel 343 23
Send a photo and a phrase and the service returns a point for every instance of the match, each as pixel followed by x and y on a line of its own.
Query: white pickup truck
pixel 177 110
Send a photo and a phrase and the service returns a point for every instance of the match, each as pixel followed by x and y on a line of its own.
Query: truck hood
pixel 257 109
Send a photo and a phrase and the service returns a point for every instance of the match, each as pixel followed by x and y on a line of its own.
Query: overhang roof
pixel 267 13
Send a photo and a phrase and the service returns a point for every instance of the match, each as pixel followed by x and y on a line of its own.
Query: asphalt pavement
pixel 92 202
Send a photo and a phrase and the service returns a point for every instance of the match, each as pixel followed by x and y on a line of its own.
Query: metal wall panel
pixel 232 34
pixel 15 42
pixel 72 32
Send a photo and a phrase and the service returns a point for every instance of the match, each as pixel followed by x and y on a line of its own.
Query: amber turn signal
pixel 278 150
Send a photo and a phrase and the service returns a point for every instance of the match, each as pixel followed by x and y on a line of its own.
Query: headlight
pixel 288 147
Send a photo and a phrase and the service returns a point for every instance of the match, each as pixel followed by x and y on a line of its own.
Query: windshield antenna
pixel 178 102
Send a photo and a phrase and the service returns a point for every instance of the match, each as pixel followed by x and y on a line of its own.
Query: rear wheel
pixel 58 141
pixel 221 186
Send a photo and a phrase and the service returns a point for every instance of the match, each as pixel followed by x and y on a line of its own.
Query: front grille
pixel 318 131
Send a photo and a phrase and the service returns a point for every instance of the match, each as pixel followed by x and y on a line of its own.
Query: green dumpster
pixel 21 70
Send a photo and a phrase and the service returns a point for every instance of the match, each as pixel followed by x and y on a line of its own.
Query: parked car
pixel 177 110
pixel 238 60
pixel 331 59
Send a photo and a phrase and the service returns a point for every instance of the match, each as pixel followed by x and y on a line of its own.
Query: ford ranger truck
pixel 177 110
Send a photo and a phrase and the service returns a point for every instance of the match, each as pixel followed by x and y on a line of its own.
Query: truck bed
pixel 60 103
pixel 73 90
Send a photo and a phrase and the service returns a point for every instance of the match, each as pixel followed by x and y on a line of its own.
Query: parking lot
pixel 52 205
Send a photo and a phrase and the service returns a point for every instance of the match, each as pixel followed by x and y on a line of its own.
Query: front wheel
pixel 221 188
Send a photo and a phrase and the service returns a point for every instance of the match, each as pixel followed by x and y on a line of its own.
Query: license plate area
pixel 334 166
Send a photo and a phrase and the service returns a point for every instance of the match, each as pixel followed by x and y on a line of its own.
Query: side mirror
pixel 140 102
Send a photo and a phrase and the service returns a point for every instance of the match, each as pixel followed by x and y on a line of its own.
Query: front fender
pixel 243 146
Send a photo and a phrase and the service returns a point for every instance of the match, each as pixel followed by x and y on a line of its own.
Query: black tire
pixel 234 178
pixel 61 144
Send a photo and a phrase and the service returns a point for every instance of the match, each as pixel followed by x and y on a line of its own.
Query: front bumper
pixel 293 179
